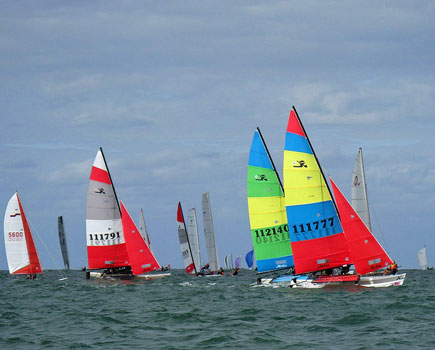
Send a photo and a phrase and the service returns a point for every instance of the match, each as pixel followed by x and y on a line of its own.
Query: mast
pixel 317 160
pixel 270 157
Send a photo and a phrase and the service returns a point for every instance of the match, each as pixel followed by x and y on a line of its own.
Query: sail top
pixel 99 172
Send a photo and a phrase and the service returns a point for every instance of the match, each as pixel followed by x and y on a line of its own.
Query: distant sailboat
pixel 143 229
pixel 192 231
pixel 359 190
pixel 114 244
pixel 209 233
pixel 62 241
pixel 20 249
pixel 228 261
pixel 422 259
pixel 186 250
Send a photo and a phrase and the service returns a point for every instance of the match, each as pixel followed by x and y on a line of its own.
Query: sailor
pixel 221 271
pixel 235 271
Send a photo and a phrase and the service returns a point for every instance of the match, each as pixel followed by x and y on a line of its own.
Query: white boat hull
pixel 147 277
pixel 379 281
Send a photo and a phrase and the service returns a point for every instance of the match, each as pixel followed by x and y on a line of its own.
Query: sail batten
pixel 267 215
pixel 316 235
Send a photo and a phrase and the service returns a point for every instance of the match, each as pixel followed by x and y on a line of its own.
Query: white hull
pixel 147 277
pixel 379 281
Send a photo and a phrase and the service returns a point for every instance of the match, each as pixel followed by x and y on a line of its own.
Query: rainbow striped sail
pixel 316 234
pixel 267 216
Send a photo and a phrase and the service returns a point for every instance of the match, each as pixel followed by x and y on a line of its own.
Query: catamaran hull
pixel 382 281
pixel 147 277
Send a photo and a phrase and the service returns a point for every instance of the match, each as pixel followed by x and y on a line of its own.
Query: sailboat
pixel 62 242
pixel 114 244
pixel 210 242
pixel 422 259
pixel 368 256
pixel 143 229
pixel 192 232
pixel 186 251
pixel 267 212
pixel 228 261
pixel 20 248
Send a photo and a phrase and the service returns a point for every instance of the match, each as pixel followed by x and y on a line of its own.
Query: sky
pixel 173 91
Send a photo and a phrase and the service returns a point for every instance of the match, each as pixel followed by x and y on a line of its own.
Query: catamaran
pixel 62 242
pixel 321 246
pixel 114 244
pixel 422 259
pixel 20 248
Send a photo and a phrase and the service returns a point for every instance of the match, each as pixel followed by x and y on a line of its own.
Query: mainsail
pixel 209 233
pixel 184 243
pixel 20 249
pixel 316 235
pixel 359 190
pixel 62 241
pixel 104 235
pixel 422 260
pixel 192 231
pixel 367 254
pixel 228 261
pixel 143 229
pixel 267 213
pixel 141 259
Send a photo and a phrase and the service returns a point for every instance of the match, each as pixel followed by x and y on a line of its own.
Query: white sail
pixel 359 190
pixel 192 231
pixel 143 229
pixel 209 233
pixel 422 260
pixel 229 261
pixel 62 241
pixel 20 249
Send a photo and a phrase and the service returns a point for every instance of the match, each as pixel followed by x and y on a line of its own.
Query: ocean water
pixel 183 312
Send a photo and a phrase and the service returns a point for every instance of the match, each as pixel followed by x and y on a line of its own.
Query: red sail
pixel 34 266
pixel 141 258
pixel 367 254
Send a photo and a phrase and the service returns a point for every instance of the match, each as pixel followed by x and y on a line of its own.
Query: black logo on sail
pixel 100 190
pixel 299 164
pixel 261 177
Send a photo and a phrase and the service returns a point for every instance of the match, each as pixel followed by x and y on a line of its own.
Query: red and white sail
pixel 20 249
pixel 141 259
pixel 104 234
pixel 184 242
pixel 366 252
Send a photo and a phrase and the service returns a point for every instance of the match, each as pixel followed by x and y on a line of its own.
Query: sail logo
pixel 261 177
pixel 99 190
pixel 356 181
pixel 299 164
pixel 14 215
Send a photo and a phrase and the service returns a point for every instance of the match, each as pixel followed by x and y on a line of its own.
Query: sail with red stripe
pixel 184 242
pixel 141 258
pixel 20 249
pixel 316 235
pixel 367 254
pixel 104 234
